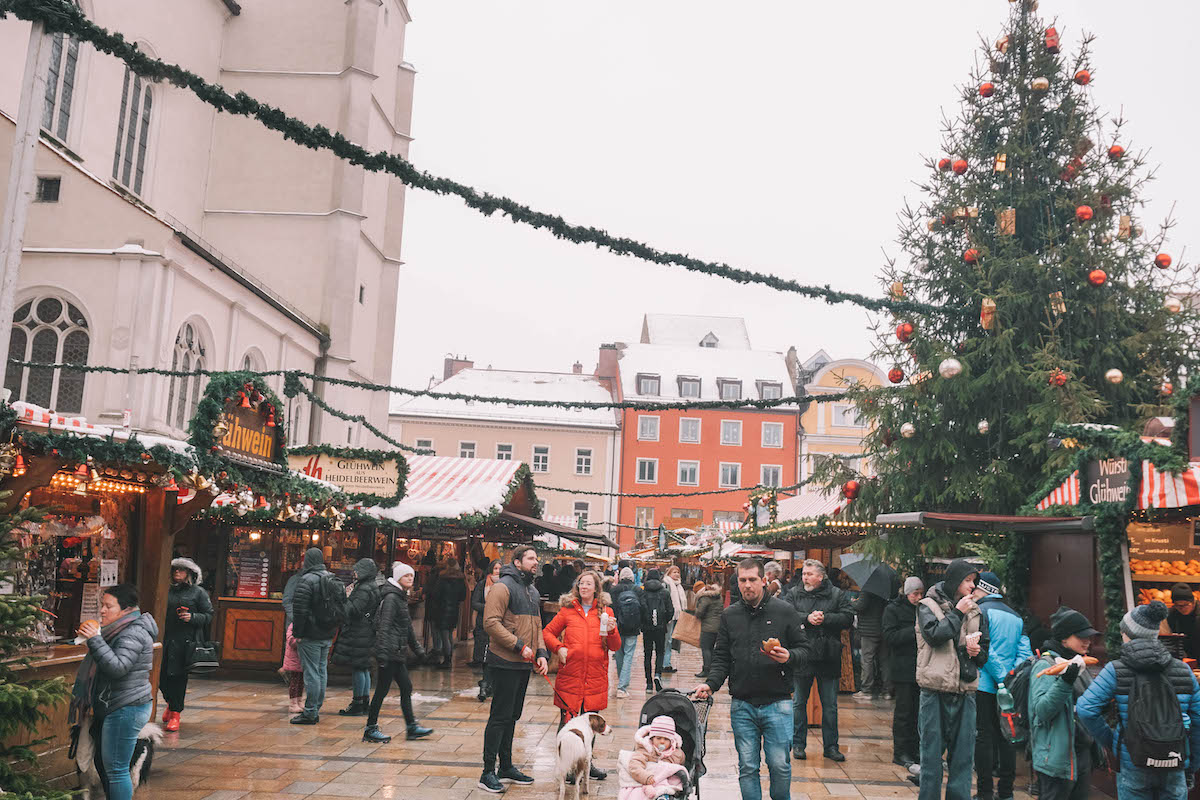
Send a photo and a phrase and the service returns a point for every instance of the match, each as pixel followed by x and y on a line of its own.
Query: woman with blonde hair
pixel 582 634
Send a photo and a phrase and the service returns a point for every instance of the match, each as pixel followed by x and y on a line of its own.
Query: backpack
pixel 1014 722
pixel 1153 733
pixel 659 610
pixel 329 601
pixel 629 613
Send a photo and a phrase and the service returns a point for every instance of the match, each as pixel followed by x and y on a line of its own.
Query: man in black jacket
pixel 657 610
pixel 825 612
pixel 760 682
pixel 900 633
pixel 315 637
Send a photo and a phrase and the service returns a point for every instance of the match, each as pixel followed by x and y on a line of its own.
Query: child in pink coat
pixel 656 766
pixel 293 673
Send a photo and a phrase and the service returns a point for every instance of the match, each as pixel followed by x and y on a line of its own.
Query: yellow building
pixel 832 428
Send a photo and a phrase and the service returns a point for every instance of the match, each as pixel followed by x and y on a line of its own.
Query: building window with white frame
pixel 583 461
pixel 424 444
pixel 644 523
pixel 504 452
pixel 183 392
pixel 846 416
pixel 689 430
pixel 689 387
pixel 649 385
pixel 133 132
pixel 731 431
pixel 581 509
pixel 647 428
pixel 734 517
pixel 49 330
pixel 689 473
pixel 541 458
pixel 772 434
pixel 466 449
pixel 729 389
pixel 770 390
pixel 771 475
pixel 60 85
pixel 647 470
pixel 731 475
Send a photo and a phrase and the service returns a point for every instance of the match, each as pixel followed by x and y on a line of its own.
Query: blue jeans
pixel 667 644
pixel 827 689
pixel 771 727
pixel 362 683
pixel 1135 783
pixel 117 740
pixel 625 660
pixel 947 725
pixel 314 658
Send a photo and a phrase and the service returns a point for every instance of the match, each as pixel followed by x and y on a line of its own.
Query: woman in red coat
pixel 582 633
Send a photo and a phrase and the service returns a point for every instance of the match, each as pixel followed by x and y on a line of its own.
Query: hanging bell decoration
pixel 270 416
pixel 244 401
pixel 262 502
pixel 220 429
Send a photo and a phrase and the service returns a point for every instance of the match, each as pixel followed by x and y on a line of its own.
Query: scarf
pixel 85 679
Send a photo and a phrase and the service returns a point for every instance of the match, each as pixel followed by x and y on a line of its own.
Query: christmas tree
pixel 22 700
pixel 1058 306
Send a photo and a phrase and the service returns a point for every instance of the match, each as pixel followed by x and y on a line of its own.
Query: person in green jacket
pixel 1064 754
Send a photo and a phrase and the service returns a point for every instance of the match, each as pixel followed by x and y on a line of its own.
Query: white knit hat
pixel 400 569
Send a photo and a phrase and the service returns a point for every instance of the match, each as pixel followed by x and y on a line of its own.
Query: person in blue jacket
pixel 1143 652
pixel 1009 647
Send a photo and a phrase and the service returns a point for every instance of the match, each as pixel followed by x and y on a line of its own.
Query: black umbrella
pixel 874 577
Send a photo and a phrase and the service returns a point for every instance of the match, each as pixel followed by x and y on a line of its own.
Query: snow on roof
pixel 519 386
pixel 445 487
pixel 686 330
pixel 809 504
pixel 709 365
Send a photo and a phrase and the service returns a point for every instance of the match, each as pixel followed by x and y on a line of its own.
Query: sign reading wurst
pixel 1107 481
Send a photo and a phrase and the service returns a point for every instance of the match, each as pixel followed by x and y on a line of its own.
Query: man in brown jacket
pixel 513 622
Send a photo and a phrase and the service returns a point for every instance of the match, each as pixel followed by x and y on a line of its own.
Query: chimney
pixel 454 365
pixel 607 366
pixel 577 368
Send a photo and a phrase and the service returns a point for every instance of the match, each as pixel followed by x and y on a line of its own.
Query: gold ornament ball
pixel 950 368
pixel 1173 304
pixel 1114 375
pixel 983 426
pixel 908 430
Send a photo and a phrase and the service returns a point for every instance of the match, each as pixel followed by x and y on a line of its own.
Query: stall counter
pixel 250 631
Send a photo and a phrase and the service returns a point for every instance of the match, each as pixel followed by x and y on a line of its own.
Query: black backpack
pixel 659 610
pixel 1014 723
pixel 1153 733
pixel 329 601
pixel 629 613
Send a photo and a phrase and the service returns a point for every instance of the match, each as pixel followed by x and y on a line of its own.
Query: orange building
pixel 692 358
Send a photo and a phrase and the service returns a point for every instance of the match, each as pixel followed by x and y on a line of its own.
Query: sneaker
pixel 903 761
pixel 914 769
pixel 861 696
pixel 658 684
pixel 669 668
pixel 415 731
pixel 490 783
pixel 372 735
pixel 597 774
pixel 833 754
pixel 622 694
pixel 514 775
pixel 798 754
pixel 304 719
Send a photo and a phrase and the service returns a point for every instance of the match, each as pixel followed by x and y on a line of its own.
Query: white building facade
pixel 166 235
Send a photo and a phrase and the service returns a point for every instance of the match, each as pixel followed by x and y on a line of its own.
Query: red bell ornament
pixel 1083 77
pixel 1084 213
pixel 904 331
pixel 987 89
pixel 971 256
pixel 1097 277
pixel 1162 261
pixel 944 164
pixel 1116 152
pixel 960 166
pixel 850 489
pixel 895 374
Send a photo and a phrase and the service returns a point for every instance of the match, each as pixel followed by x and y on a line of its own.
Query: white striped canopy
pixel 447 487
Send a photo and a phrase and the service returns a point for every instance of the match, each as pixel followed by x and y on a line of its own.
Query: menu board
pixel 253 573
pixel 1164 552
pixel 90 607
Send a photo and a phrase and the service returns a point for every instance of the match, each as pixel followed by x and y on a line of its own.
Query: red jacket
pixel 583 680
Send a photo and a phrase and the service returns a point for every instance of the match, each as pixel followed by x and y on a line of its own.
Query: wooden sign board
pixel 353 475
pixel 249 438
pixel 1107 481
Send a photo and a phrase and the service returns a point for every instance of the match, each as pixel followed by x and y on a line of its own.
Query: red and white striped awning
pixel 1169 489
pixel 447 487
pixel 1065 495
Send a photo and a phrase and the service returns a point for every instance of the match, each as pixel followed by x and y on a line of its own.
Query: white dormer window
pixel 648 385
pixel 710 340
pixel 768 390
pixel 730 390
pixel 689 387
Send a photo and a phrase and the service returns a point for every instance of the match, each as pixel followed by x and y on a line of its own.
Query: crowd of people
pixel 971 687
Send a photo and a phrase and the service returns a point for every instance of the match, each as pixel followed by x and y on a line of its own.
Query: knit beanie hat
pixel 626 574
pixel 1180 591
pixel 913 584
pixel 1143 621
pixel 654 575
pixel 698 586
pixel 663 726
pixel 988 582
pixel 400 569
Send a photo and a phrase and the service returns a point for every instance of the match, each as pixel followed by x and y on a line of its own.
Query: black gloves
pixel 1070 673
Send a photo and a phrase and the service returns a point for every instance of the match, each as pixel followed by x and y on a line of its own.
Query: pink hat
pixel 663 726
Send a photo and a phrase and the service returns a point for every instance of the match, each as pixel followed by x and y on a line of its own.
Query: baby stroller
pixel 691 723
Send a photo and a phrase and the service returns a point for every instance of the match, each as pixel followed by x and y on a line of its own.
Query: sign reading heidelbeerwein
pixel 1107 481
pixel 353 475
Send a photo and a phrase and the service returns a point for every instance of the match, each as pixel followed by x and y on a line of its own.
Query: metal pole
pixel 21 179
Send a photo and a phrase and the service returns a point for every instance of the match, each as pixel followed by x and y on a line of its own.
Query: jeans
pixel 118 736
pixel 173 688
pixel 874 660
pixel 652 655
pixel 947 725
pixel 1065 788
pixel 392 671
pixel 827 689
pixel 708 643
pixel 992 751
pixel 443 642
pixel 624 658
pixel 906 736
pixel 771 727
pixel 1135 783
pixel 361 681
pixel 314 657
pixel 508 702
pixel 666 662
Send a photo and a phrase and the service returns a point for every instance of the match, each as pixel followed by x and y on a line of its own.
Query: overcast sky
pixel 775 135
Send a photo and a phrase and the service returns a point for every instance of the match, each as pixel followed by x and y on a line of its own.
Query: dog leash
pixel 553 688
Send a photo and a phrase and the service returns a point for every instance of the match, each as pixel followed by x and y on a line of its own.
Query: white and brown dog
pixel 140 763
pixel 575 742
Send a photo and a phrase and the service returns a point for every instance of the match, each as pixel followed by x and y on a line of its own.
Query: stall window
pixel 183 393
pixel 50 330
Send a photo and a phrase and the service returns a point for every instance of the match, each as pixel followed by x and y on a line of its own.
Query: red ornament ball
pixel 987 90
pixel 850 489
pixel 1115 152
pixel 904 331
pixel 1162 261
pixel 1058 378
pixel 960 166
pixel 895 375
pixel 944 164
pixel 1083 213
pixel 1167 389
pixel 971 256
pixel 1097 277
pixel 1083 77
